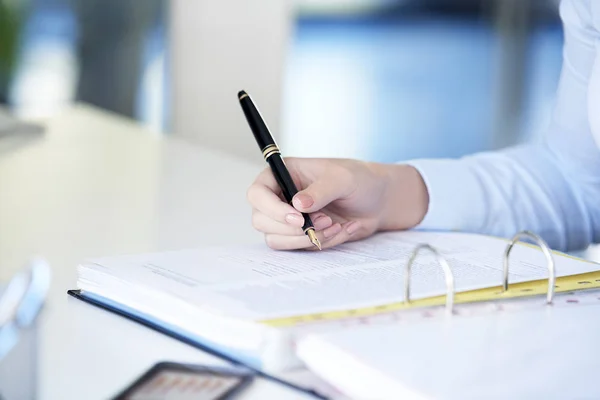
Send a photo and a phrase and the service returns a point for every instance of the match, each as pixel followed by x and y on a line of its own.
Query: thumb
pixel 319 194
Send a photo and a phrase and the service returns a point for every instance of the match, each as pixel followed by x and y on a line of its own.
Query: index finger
pixel 263 195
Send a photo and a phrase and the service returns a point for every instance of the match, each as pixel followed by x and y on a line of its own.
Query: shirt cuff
pixel 456 199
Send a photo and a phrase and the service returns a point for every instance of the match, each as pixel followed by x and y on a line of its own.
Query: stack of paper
pixel 534 354
pixel 226 298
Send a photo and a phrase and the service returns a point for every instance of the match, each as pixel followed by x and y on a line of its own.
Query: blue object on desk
pixel 21 302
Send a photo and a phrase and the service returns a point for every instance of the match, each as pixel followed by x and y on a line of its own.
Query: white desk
pixel 94 185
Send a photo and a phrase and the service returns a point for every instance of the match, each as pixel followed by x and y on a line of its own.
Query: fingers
pixel 282 223
pixel 320 193
pixel 348 231
pixel 284 242
pixel 266 224
pixel 331 236
pixel 338 234
pixel 262 196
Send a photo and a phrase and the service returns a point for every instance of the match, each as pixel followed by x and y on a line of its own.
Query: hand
pixel 346 200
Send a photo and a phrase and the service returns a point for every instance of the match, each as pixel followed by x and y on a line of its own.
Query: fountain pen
pixel 272 156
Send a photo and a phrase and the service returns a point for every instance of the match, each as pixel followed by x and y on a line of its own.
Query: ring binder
pixel 447 273
pixel 559 291
pixel 547 252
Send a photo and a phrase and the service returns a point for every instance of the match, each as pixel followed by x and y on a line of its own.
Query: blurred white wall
pixel 218 48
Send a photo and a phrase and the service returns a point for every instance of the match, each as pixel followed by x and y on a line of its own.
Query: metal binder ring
pixel 549 259
pixel 447 272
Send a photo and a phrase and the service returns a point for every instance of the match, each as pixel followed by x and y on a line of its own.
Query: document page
pixel 525 355
pixel 257 282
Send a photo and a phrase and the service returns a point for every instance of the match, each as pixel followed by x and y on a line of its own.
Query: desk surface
pixel 95 184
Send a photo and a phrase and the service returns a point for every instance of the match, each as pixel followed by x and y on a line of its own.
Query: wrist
pixel 405 198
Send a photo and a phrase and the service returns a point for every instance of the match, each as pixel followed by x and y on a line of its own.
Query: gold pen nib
pixel 313 238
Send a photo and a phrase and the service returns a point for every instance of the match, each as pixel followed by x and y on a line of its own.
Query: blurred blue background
pixel 378 80
pixel 422 79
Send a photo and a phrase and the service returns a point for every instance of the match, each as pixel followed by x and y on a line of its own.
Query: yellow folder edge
pixel 588 280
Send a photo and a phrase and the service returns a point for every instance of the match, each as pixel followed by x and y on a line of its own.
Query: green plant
pixel 11 18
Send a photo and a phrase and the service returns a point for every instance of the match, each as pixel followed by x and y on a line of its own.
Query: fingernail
pixel 352 227
pixel 322 222
pixel 332 231
pixel 294 219
pixel 302 201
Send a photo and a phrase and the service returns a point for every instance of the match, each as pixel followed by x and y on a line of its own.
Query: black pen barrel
pixel 259 128
pixel 272 156
pixel 285 181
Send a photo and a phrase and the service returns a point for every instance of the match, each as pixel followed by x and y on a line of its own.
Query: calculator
pixel 177 381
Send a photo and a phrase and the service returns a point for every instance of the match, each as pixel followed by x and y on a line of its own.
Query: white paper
pixel 256 282
pixel 547 353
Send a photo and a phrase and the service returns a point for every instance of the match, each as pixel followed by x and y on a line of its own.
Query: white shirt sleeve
pixel 551 188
